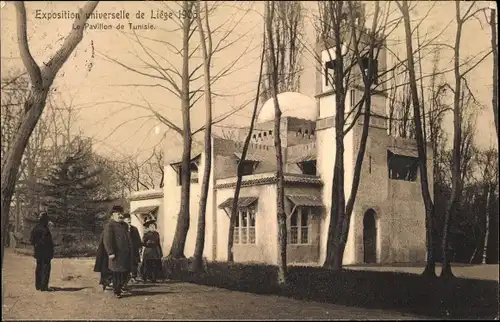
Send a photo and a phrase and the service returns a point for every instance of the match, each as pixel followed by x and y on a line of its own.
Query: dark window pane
pixel 244 218
pixel 401 167
pixel 294 235
pixel 304 235
pixel 251 216
pixel 293 219
pixel 308 167
pixel 248 167
pixel 304 217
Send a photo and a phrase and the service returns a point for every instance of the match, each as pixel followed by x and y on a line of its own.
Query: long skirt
pixel 151 269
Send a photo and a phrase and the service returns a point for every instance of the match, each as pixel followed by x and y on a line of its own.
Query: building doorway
pixel 370 237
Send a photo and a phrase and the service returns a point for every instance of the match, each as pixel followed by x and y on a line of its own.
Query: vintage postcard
pixel 253 160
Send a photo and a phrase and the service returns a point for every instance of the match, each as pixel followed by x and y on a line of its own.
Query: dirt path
pixel 79 297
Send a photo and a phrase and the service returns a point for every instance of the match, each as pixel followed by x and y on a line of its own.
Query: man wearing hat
pixel 118 246
pixel 41 239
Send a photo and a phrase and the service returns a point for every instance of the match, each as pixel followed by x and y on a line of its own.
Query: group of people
pixel 120 255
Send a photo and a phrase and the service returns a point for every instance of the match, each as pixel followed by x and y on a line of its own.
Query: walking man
pixel 41 239
pixel 118 246
pixel 136 241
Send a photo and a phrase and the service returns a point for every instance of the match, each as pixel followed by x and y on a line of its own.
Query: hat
pixel 117 208
pixel 149 219
pixel 43 216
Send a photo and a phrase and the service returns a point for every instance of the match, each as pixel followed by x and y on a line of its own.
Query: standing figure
pixel 102 264
pixel 151 259
pixel 41 239
pixel 118 246
pixel 136 241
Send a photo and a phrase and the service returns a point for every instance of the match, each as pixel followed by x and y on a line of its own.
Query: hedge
pixel 402 292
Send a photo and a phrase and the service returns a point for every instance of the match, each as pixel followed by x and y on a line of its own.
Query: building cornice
pixel 145 195
pixel 272 179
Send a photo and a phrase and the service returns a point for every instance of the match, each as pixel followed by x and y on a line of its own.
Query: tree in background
pixel 459 90
pixel 71 189
pixel 41 80
pixel 288 30
pixel 430 269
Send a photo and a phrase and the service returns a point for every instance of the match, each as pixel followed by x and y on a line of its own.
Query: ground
pixel 78 296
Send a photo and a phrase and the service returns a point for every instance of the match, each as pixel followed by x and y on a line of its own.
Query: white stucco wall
pixel 325 162
pixel 266 226
pixel 172 193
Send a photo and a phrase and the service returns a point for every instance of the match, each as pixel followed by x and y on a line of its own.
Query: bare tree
pixel 458 103
pixel 280 196
pixel 494 48
pixel 487 168
pixel 430 268
pixel 341 26
pixel 288 25
pixel 41 81
pixel 206 48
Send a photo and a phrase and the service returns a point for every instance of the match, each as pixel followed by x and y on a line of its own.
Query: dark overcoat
pixel 41 239
pixel 152 250
pixel 101 258
pixel 136 240
pixel 116 240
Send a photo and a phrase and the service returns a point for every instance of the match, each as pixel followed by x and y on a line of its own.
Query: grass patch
pixel 402 292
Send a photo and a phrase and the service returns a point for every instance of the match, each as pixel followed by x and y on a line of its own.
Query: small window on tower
pixel 330 67
pixel 402 167
pixel 373 73
pixel 308 167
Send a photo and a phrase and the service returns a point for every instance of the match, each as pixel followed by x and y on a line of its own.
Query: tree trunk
pixel 430 268
pixel 492 249
pixel 334 253
pixel 456 158
pixel 491 195
pixel 494 48
pixel 282 229
pixel 41 81
pixel 477 256
pixel 234 208
pixel 35 104
pixel 182 228
pixel 206 54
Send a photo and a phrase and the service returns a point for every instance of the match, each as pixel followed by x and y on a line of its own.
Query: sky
pixel 114 103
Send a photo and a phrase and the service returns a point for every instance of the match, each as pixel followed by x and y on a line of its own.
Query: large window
pixel 244 228
pixel 299 225
pixel 402 167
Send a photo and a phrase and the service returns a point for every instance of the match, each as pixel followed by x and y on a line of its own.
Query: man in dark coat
pixel 102 264
pixel 41 239
pixel 118 246
pixel 136 241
